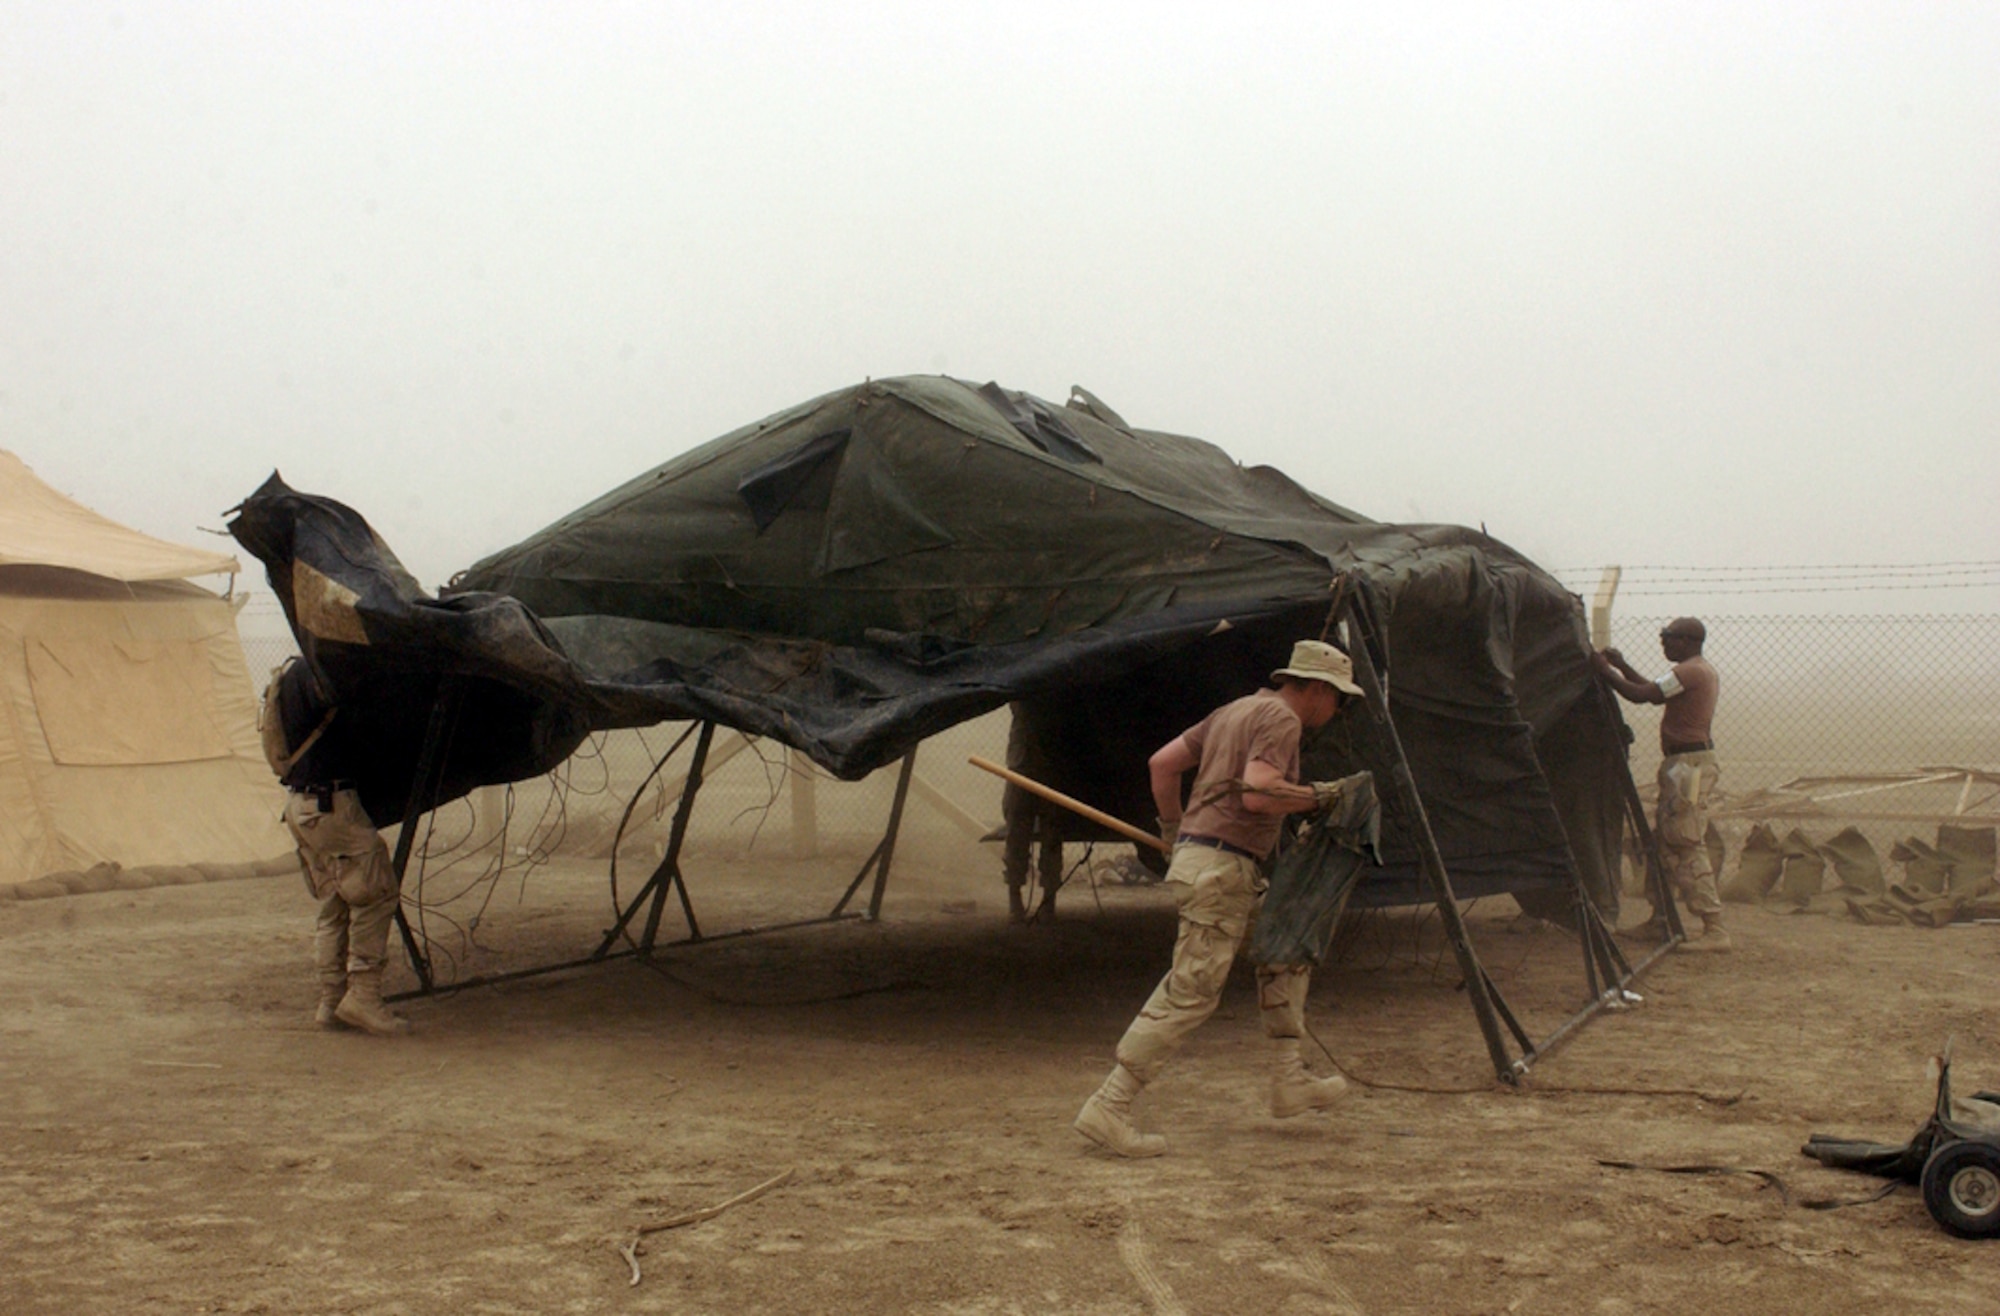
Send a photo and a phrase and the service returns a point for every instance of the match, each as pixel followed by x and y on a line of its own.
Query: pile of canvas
pixel 1941 883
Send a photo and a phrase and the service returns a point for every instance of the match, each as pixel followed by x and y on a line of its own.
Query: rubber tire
pixel 1966 1165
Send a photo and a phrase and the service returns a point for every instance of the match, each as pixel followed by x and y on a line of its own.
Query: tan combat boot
pixel 362 1006
pixel 1714 938
pixel 1652 932
pixel 1106 1119
pixel 332 986
pixel 1294 1089
pixel 330 963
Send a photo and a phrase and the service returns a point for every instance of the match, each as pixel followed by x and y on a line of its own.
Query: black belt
pixel 1216 843
pixel 1692 747
pixel 323 795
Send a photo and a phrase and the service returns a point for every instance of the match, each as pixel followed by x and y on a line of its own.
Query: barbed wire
pixel 1804 578
pixel 1984 564
pixel 1652 589
pixel 1659 581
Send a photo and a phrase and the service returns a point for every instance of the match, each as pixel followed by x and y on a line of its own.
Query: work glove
pixel 1327 794
pixel 1170 831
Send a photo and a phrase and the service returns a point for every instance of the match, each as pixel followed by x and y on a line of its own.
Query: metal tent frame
pixel 668 876
pixel 1607 973
pixel 1513 1052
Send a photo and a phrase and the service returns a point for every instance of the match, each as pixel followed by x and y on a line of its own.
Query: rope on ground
pixel 896 985
pixel 1537 1089
pixel 1767 1177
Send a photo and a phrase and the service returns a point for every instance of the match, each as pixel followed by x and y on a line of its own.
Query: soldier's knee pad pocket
pixel 365 882
pixel 1201 965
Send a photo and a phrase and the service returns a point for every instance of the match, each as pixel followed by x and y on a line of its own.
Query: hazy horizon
pixel 1705 286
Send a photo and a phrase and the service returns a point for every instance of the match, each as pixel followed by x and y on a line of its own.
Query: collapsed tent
pixel 859 572
pixel 130 734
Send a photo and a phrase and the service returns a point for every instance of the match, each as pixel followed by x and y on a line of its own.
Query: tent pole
pixel 669 871
pixel 889 836
pixel 1649 844
pixel 1477 986
pixel 424 788
pixel 847 895
pixel 1604 967
pixel 885 849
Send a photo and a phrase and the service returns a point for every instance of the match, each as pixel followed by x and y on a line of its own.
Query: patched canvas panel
pixel 112 697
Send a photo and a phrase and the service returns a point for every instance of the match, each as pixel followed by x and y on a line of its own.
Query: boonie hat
pixel 1316 660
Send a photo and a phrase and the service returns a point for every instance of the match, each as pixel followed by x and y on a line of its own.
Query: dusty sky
pixel 1691 284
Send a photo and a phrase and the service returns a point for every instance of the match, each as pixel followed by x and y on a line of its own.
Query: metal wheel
pixel 1962 1188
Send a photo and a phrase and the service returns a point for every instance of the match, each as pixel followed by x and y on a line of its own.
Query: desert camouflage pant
pixel 1686 782
pixel 348 868
pixel 1218 894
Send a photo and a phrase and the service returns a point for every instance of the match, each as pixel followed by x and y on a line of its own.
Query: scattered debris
pixel 630 1251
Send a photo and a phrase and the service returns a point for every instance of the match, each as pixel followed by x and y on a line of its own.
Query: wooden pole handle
pixel 1054 796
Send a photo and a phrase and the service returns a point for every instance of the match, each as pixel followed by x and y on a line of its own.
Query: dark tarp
pixel 862 571
pixel 1313 877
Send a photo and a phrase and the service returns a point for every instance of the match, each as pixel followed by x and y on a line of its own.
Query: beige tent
pixel 129 729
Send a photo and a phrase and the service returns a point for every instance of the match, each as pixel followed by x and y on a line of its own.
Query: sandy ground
pixel 178 1137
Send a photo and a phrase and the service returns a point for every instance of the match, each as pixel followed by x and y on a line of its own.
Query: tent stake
pixel 1477 986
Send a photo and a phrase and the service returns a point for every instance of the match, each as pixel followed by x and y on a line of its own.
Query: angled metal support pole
pixel 1485 1000
pixel 1649 843
pixel 424 788
pixel 889 836
pixel 669 871
pixel 1604 966
pixel 867 867
pixel 878 859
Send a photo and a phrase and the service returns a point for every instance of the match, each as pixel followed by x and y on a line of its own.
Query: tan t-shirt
pixel 1256 727
pixel 1691 688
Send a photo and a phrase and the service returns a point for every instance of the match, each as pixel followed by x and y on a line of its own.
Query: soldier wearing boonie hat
pixel 1245 757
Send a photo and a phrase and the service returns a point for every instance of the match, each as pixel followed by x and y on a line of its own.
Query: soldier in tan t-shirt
pixel 1245 757
pixel 1688 769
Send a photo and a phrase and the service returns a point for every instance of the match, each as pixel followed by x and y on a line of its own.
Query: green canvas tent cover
pixel 858 572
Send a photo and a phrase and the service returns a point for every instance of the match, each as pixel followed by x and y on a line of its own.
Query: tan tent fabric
pixel 1926 871
pixel 1804 871
pixel 183 783
pixel 126 699
pixel 1758 866
pixel 40 527
pixel 127 719
pixel 1855 864
pixel 1970 851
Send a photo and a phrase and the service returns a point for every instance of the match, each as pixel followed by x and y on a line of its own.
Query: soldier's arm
pixel 1269 791
pixel 1614 671
pixel 1170 762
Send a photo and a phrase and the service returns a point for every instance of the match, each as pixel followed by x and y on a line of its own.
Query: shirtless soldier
pixel 1688 770
pixel 1245 756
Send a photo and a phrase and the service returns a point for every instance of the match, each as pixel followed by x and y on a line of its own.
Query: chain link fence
pixel 1888 724
pixel 1822 696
